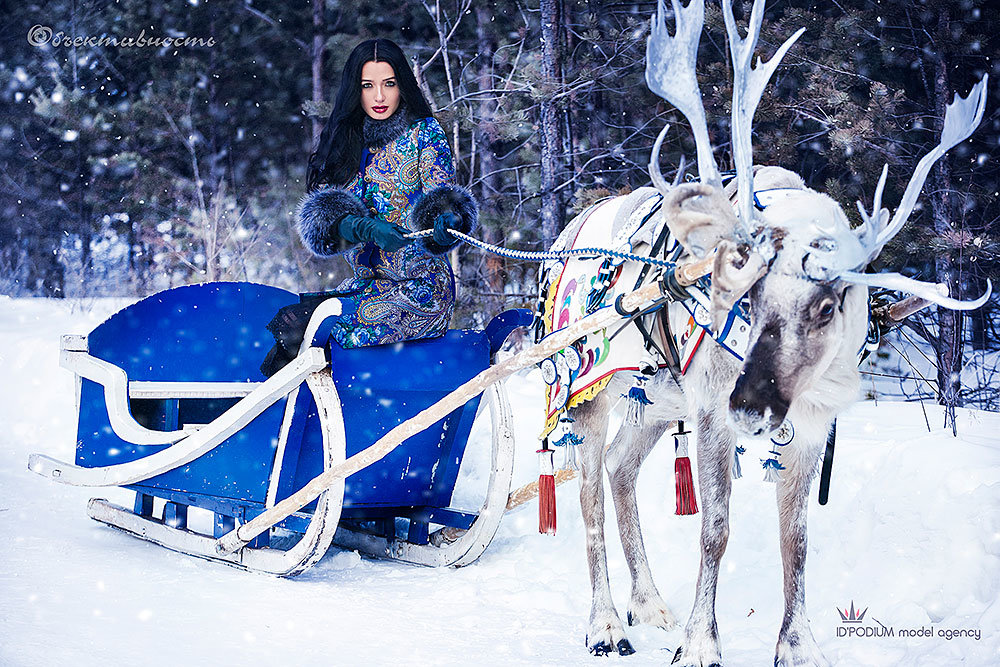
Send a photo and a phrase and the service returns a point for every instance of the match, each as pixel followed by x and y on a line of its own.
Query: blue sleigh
pixel 172 405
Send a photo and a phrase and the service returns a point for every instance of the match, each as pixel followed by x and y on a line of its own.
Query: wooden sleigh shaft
pixel 603 318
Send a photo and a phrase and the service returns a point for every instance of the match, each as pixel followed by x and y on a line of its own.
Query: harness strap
pixel 824 477
pixel 658 246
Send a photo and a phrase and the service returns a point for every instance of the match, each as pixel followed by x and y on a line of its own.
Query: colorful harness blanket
pixel 577 287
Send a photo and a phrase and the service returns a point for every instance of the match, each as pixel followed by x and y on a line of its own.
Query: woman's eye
pixel 390 84
pixel 366 85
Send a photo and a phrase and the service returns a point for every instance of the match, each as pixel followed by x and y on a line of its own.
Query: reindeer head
pixel 794 253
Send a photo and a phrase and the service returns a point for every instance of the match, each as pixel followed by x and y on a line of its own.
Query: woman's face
pixel 379 92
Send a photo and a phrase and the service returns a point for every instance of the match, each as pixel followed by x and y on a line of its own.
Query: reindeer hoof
pixel 798 648
pixel 600 648
pixel 625 648
pixel 608 637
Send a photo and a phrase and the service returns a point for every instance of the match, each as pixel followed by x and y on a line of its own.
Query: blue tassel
pixel 636 402
pixel 568 439
pixel 771 469
pixel 737 470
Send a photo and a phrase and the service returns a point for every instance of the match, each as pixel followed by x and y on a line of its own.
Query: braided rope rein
pixel 530 256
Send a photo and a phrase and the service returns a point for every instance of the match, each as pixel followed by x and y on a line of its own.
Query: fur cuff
pixel 320 212
pixel 440 200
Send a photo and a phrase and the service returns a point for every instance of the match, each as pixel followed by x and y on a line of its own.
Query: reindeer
pixel 801 265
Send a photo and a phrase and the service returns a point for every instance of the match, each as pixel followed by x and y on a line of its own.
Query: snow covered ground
pixel 911 533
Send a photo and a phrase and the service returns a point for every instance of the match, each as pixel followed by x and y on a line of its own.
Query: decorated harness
pixel 664 336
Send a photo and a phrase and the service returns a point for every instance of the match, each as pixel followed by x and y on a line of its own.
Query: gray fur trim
pixel 319 215
pixel 379 133
pixel 440 200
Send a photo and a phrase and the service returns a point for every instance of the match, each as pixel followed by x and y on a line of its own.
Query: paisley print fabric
pixel 410 293
pixel 399 173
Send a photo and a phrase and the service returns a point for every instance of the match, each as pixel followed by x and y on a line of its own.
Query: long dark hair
pixel 338 154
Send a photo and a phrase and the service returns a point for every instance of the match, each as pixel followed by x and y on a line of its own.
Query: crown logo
pixel 852 616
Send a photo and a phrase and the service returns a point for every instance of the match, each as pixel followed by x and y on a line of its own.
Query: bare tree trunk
pixel 950 342
pixel 549 120
pixel 83 223
pixel 318 94
pixel 568 138
pixel 489 183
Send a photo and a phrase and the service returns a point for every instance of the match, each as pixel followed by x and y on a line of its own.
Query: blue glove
pixel 359 229
pixel 441 225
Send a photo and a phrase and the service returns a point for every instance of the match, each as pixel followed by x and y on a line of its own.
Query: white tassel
pixel 636 402
pixel 569 441
pixel 771 468
pixel 737 470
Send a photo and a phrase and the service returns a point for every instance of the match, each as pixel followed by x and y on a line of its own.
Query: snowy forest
pixel 129 170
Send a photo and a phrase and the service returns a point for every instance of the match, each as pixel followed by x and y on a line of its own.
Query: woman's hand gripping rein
pixel 386 235
pixel 442 224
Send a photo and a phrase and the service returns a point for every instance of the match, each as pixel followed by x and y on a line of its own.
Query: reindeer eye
pixel 825 313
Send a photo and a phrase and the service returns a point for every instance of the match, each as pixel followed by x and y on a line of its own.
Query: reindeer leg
pixel 623 460
pixel 796 644
pixel 605 633
pixel 715 452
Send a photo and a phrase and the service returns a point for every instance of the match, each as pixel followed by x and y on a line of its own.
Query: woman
pixel 382 168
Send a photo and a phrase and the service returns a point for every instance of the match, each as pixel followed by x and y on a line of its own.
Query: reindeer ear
pixel 735 271
pixel 699 216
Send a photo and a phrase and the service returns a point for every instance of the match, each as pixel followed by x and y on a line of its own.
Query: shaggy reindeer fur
pixel 801 364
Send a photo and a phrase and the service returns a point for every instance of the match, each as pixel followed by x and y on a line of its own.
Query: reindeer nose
pixel 756 405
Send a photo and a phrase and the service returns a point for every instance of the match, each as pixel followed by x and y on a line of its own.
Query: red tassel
pixel 683 479
pixel 546 493
pixel 686 501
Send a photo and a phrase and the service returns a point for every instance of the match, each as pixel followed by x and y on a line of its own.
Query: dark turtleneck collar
pixel 378 133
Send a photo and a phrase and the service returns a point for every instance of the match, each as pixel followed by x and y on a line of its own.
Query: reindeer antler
pixel 961 118
pixel 749 82
pixel 670 73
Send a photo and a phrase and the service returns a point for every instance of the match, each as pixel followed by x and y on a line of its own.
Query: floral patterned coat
pixel 409 293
